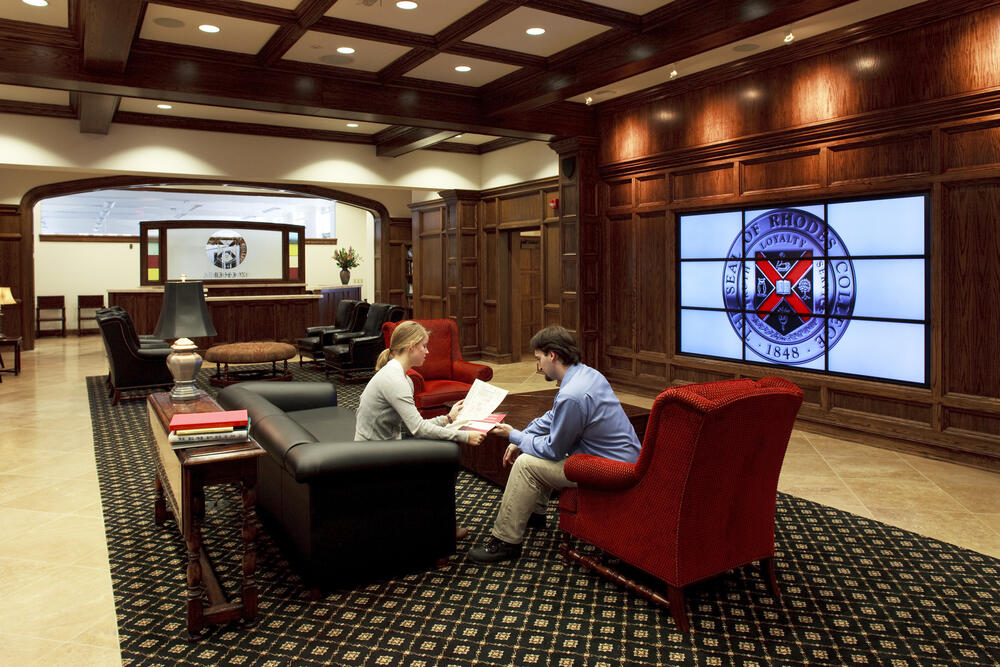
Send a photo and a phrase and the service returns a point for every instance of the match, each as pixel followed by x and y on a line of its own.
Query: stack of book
pixel 198 429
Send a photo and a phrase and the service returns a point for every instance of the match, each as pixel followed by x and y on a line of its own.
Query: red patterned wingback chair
pixel 699 501
pixel 445 377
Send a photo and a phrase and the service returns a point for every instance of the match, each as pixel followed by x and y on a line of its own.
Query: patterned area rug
pixel 855 591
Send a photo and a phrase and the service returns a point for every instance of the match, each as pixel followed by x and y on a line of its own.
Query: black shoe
pixel 537 520
pixel 494 551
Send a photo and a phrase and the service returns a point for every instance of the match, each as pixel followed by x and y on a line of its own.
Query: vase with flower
pixel 347 259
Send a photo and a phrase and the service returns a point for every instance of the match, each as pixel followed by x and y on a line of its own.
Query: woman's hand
pixel 455 409
pixel 475 437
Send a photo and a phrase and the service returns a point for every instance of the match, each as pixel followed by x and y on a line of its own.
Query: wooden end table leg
pixel 159 503
pixel 248 587
pixel 194 510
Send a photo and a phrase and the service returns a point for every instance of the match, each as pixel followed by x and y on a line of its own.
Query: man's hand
pixel 508 456
pixel 475 437
pixel 503 429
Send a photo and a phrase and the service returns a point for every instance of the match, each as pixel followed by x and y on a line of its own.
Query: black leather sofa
pixel 349 511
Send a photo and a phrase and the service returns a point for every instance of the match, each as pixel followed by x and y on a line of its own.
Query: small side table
pixel 181 478
pixel 16 342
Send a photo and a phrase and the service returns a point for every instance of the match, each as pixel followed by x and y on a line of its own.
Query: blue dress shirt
pixel 586 418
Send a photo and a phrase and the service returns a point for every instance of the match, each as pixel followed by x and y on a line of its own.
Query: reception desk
pixel 237 317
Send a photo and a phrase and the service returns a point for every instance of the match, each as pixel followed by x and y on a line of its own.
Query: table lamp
pixel 184 316
pixel 6 299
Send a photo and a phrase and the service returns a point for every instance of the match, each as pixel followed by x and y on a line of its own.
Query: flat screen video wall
pixel 834 287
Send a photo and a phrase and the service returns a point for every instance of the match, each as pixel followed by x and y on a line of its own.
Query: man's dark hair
pixel 557 339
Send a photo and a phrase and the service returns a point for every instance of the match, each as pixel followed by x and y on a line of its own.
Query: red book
pixel 189 420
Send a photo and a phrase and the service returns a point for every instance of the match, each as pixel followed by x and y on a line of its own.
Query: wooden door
pixel 527 298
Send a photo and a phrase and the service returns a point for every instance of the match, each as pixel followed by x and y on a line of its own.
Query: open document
pixel 479 404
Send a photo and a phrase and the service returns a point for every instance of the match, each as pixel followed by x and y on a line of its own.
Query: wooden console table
pixel 181 478
pixel 486 459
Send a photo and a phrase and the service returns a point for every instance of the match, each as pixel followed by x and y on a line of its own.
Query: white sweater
pixel 387 405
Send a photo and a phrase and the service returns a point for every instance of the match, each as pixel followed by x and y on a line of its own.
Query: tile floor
pixel 54 577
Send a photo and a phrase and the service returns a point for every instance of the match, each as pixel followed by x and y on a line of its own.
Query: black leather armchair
pixel 131 366
pixel 351 315
pixel 355 353
pixel 143 340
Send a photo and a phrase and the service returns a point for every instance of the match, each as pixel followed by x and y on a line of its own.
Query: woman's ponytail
pixel 383 358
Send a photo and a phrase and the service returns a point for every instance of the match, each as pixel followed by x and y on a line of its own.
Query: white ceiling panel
pixel 36 95
pixel 442 68
pixel 55 14
pixel 632 6
pixel 561 32
pixel 183 110
pixel 429 18
pixel 180 26
pixel 321 48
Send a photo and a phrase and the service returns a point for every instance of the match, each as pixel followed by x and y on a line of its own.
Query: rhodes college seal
pixel 779 290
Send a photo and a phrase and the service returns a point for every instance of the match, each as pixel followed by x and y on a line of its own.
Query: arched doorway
pixel 26 287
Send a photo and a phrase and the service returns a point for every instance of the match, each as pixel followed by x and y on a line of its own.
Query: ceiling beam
pixel 284 38
pixel 158 72
pixel 588 11
pixel 693 26
pixel 95 111
pixel 109 27
pixel 396 141
pixel 473 22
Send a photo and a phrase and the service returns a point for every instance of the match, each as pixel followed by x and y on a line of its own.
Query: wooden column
pixel 579 246
pixel 461 231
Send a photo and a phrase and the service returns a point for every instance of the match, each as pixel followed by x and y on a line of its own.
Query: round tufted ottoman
pixel 249 353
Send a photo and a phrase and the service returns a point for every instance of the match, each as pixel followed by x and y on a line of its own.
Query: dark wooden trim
pixel 586 11
pixel 239 9
pixel 453 147
pixel 206 76
pixel 873 28
pixel 315 241
pixel 395 143
pixel 109 27
pixel 897 119
pixel 211 125
pixel 86 238
pixel 377 33
pixel 96 111
pixel 495 54
pixel 284 38
pixel 696 26
pixel 36 109
pixel 497 144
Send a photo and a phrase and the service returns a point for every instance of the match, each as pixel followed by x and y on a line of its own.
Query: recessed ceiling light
pixel 345 49
pixel 462 68
pixel 208 27
pixel 164 106
pixel 457 136
pixel 789 37
pixel 406 4
pixel 36 3
pixel 535 31
pixel 588 101
pixel 673 74
pixel 352 125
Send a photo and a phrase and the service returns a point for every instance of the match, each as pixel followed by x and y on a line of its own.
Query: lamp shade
pixel 184 313
pixel 6 298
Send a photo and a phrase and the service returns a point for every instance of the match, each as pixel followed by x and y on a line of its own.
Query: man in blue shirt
pixel 586 418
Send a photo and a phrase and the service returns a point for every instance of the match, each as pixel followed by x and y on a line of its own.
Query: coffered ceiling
pixel 367 71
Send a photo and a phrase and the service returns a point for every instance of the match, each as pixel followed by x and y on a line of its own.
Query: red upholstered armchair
pixel 445 377
pixel 700 499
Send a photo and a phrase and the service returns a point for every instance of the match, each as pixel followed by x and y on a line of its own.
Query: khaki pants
pixel 531 482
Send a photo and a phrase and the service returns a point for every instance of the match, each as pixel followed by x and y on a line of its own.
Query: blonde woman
pixel 387 402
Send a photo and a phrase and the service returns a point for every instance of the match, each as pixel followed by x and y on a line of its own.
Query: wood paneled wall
pixel 916 109
pixel 12 275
